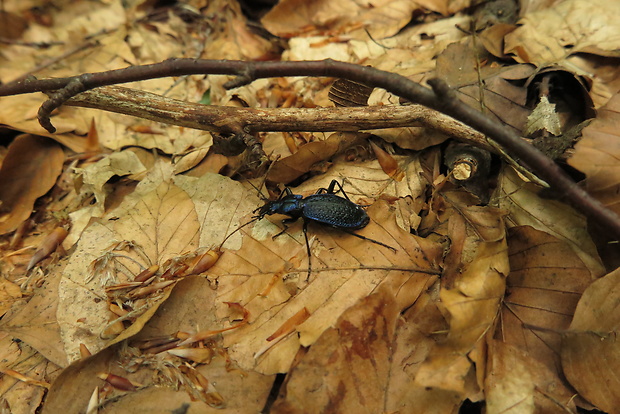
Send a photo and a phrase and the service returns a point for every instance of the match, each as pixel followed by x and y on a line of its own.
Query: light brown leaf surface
pixel 544 285
pixel 161 224
pixel 36 323
pixel 20 397
pixel 590 349
pixel 382 18
pixel 473 286
pixel 30 169
pixel 597 154
pixel 190 305
pixel 527 208
pixel 517 383
pixel 499 98
pixel 364 363
pixel 566 31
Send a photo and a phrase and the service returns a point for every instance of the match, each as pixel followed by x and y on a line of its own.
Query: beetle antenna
pixel 236 230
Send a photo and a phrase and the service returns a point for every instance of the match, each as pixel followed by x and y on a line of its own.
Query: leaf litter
pixel 505 304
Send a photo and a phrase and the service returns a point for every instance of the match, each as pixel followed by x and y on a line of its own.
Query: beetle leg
pixel 308 250
pixel 359 236
pixel 330 189
pixel 285 223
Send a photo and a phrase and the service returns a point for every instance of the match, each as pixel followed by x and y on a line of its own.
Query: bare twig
pixel 441 98
pixel 227 119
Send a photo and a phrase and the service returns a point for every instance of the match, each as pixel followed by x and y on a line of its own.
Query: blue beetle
pixel 323 207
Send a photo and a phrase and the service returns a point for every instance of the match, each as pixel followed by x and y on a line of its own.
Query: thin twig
pixel 229 119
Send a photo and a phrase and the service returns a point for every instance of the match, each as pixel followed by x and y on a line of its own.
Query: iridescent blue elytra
pixel 326 209
pixel 323 207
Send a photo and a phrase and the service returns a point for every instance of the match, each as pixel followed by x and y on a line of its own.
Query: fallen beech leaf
pixel 351 367
pixel 590 349
pixel 506 389
pixel 545 283
pixel 292 17
pixel 472 290
pixel 9 293
pixel 162 223
pixel 565 31
pixel 30 169
pixel 36 323
pixel 527 208
pixel 292 167
pixel 597 153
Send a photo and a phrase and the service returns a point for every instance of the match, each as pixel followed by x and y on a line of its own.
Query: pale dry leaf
pixel 21 397
pixel 9 294
pixel 81 378
pixel 590 351
pixel 509 385
pixel 230 36
pixel 95 176
pixel 527 208
pixel 565 31
pixel 543 288
pixel 517 383
pixel 161 224
pixel 29 170
pixel 191 305
pixel 544 285
pixel 221 205
pixel 418 330
pixel 497 96
pixel 597 153
pixel 36 323
pixel 382 18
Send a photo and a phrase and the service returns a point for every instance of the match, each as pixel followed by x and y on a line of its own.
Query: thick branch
pixel 441 99
pixel 225 119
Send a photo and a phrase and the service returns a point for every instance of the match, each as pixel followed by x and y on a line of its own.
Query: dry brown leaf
pixel 565 31
pixel 9 294
pixel 516 383
pixel 590 351
pixel 230 37
pixel 382 18
pixel 418 330
pixel 158 221
pixel 191 304
pixel 21 361
pixel 527 208
pixel 363 364
pixel 597 153
pixel 544 285
pixel 501 99
pixel 161 223
pixel 292 167
pixel 36 322
pixel 29 170
pixel 471 294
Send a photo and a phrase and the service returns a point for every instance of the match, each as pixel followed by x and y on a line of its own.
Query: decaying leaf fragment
pixel 591 349
pixel 29 170
pixel 472 289
pixel 363 363
pixel 597 153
